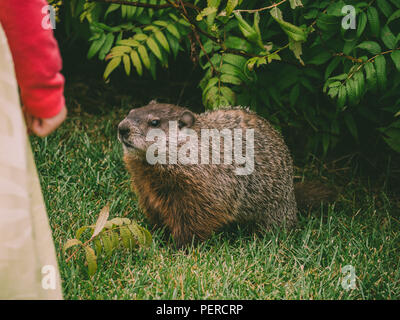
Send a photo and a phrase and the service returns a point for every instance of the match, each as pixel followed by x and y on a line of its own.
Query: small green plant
pixel 106 236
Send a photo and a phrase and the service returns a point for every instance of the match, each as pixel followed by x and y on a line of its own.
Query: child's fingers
pixel 43 127
pixel 38 128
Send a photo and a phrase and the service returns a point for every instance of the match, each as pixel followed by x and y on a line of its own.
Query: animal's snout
pixel 124 129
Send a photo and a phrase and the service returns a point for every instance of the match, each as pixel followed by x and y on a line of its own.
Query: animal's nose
pixel 124 129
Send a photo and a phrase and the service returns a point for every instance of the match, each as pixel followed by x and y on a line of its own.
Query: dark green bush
pixel 296 62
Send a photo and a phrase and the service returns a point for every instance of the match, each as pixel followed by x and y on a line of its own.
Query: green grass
pixel 81 170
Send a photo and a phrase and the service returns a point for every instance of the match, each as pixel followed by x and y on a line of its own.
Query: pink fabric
pixel 36 56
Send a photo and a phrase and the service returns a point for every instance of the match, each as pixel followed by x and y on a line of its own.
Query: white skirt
pixel 28 265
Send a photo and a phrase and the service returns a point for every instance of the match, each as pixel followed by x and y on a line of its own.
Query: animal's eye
pixel 155 123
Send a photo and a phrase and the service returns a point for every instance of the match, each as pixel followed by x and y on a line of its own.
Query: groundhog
pixel 194 183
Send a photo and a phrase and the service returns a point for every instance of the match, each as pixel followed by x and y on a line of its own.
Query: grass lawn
pixel 81 170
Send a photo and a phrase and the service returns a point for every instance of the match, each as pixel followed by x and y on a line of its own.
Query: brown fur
pixel 197 200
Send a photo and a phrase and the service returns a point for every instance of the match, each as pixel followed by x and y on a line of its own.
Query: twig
pixel 76 251
pixel 341 54
pixel 369 60
pixel 196 35
pixel 261 9
pixel 146 5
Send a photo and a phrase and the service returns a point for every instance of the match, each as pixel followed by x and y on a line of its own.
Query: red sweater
pixel 36 56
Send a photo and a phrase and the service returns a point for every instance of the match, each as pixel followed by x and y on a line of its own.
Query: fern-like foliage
pixel 105 237
pixel 292 61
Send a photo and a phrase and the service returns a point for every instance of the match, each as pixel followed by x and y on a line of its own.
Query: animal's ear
pixel 153 101
pixel 186 119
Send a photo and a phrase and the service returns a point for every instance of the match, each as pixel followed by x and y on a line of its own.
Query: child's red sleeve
pixel 36 56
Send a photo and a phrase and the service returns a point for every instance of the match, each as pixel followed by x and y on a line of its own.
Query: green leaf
pixel 173 44
pixel 249 32
pixel 385 7
pixel 128 42
pixel 136 62
pixel 332 66
pixel 276 13
pixel 349 46
pixel 139 11
pixel 211 83
pixel 172 29
pixel 380 66
pixel 394 16
pixel 98 246
pixel 388 37
pixel 295 33
pixel 111 8
pixel 96 45
pixel 295 3
pixel 342 97
pixel 328 23
pixel 270 57
pixel 162 40
pixel 396 59
pixel 123 11
pixel 206 12
pixel 335 8
pixel 333 92
pixel 234 60
pixel 130 12
pixel 127 64
pixel 148 239
pixel 230 6
pixel 351 91
pixel 117 221
pixel 160 23
pixel 237 43
pixel 114 239
pixel 70 243
pixel 340 77
pixel 119 37
pixel 107 244
pixel 105 27
pixel 137 232
pixel 111 66
pixel 320 58
pixel 259 61
pixel 144 56
pixel 140 36
pixel 370 75
pixel 295 47
pixel 234 71
pixel 120 50
pixel 256 27
pixel 91 260
pixel 396 3
pixel 360 84
pixel 370 46
pixel 374 23
pixel 228 78
pixel 126 237
pixel 229 95
pixel 362 23
pixel 151 43
pixel 81 230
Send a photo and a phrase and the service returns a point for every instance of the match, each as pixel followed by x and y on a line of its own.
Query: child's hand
pixel 43 127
